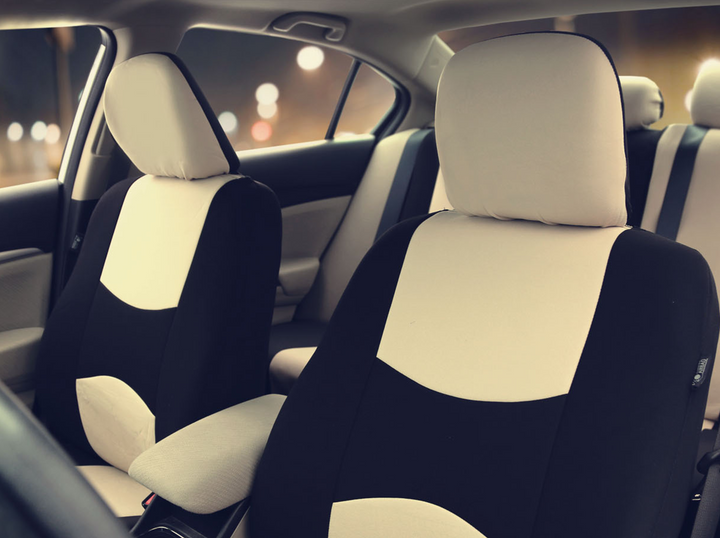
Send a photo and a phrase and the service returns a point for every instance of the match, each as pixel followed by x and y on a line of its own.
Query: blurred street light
pixel 52 134
pixel 310 57
pixel 228 121
pixel 38 131
pixel 15 132
pixel 267 93
pixel 261 131
pixel 267 111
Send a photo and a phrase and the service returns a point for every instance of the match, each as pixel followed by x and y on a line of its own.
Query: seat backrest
pixel 165 318
pixel 489 374
pixel 643 105
pixel 700 224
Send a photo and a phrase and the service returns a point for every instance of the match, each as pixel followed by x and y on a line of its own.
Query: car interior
pixel 359 269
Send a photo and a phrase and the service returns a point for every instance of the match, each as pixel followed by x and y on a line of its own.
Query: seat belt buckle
pixel 708 460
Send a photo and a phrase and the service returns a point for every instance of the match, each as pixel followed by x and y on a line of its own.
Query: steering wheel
pixel 41 492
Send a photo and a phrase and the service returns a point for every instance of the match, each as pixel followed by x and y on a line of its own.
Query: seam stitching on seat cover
pixel 350 433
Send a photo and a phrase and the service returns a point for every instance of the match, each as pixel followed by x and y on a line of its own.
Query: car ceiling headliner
pixel 420 17
pixel 396 36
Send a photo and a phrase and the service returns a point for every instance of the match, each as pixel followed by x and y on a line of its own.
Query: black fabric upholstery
pixel 60 348
pixel 613 457
pixel 641 148
pixel 624 452
pixel 186 362
pixel 329 389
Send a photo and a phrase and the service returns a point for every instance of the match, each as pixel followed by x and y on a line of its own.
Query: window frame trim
pixel 72 153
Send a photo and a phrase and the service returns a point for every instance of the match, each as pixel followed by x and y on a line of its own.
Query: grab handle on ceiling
pixel 335 26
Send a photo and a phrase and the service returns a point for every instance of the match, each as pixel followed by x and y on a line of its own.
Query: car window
pixel 270 91
pixel 42 73
pixel 668 45
pixel 371 96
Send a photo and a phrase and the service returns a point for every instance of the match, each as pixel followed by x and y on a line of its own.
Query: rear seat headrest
pixel 161 120
pixel 530 127
pixel 643 101
pixel 705 101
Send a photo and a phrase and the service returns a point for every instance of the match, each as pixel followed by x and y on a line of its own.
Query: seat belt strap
pixel 708 514
pixel 401 181
pixel 679 181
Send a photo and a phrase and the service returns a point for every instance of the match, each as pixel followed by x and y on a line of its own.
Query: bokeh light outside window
pixel 269 91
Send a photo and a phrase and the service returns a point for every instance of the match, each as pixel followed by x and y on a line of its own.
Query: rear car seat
pixel 166 316
pixel 699 225
pixel 644 105
pixel 501 376
pixel 397 185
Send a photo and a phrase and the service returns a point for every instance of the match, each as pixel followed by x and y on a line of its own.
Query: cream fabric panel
pixel 287 365
pixel 117 422
pixel 521 135
pixel 700 225
pixel 495 311
pixel 155 239
pixel 159 123
pixel 357 231
pixel 210 464
pixel 121 493
pixel 396 518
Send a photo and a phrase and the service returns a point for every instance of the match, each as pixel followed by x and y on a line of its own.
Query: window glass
pixel 371 96
pixel 269 91
pixel 667 46
pixel 42 72
pixel 266 91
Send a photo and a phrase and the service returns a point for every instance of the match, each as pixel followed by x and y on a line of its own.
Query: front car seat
pixel 523 366
pixel 166 316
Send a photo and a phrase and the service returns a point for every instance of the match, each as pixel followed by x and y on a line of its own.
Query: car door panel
pixel 27 235
pixel 314 183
